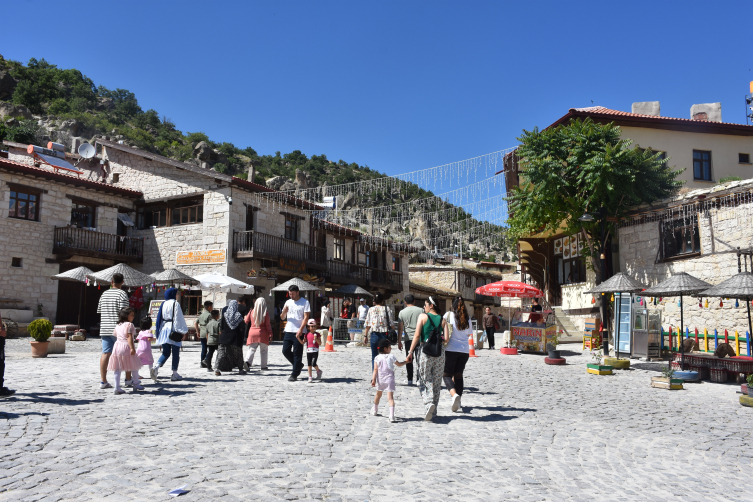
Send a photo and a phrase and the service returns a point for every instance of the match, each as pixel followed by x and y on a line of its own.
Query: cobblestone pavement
pixel 527 432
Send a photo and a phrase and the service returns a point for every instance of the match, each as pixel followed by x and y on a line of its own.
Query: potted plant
pixel 40 330
pixel 551 346
pixel 666 381
pixel 748 389
pixel 597 368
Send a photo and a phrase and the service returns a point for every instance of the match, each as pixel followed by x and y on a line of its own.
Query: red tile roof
pixel 18 167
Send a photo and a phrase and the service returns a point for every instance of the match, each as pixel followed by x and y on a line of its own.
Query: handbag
pixel 175 336
pixel 391 332
pixel 433 346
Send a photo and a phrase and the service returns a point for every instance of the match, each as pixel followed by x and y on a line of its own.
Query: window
pixel 190 302
pixel 115 177
pixel 364 256
pixel 16 262
pixel 743 158
pixel 83 215
pixel 24 205
pixel 249 218
pixel 701 165
pixel 339 249
pixel 468 281
pixel 679 237
pixel 181 212
pixel 395 263
pixel 571 270
pixel 291 227
pixel 187 211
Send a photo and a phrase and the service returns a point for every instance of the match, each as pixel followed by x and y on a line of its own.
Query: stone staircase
pixel 570 334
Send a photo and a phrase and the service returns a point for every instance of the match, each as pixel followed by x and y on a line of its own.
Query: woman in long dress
pixel 259 332
pixel 232 331
pixel 169 319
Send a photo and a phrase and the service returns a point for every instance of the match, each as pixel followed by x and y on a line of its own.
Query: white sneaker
pixel 153 372
pixel 430 412
pixel 311 380
pixel 319 374
pixel 176 377
pixel 128 383
pixel 373 411
pixel 119 391
pixel 138 387
pixel 456 402
pixel 393 419
pixel 246 366
pixel 105 385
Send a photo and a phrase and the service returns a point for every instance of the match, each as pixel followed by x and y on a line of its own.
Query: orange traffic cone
pixel 330 345
pixel 471 347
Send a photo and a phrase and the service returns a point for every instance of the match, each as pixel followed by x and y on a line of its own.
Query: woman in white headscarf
pixel 232 331
pixel 259 332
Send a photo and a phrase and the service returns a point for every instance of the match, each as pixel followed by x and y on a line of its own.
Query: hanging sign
pixel 201 257
pixel 292 265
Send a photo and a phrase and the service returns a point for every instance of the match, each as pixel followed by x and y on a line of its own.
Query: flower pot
pixel 57 346
pixel 39 349
pixel 599 369
pixel 554 354
pixel 748 389
pixel 618 364
pixel 666 383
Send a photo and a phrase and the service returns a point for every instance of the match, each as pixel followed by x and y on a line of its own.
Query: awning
pixel 125 220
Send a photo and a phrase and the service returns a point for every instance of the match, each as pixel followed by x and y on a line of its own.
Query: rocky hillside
pixel 40 102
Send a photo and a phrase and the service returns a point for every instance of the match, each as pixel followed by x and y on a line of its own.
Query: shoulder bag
pixel 175 336
pixel 391 332
pixel 433 346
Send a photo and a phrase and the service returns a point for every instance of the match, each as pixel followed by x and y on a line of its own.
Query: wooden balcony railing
pixel 253 244
pixel 350 273
pixel 78 241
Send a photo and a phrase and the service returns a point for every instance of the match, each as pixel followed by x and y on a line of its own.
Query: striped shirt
pixel 110 304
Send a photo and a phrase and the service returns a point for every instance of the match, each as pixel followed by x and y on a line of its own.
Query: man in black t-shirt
pixel 536 307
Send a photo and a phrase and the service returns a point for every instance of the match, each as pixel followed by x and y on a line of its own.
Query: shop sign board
pixel 531 339
pixel 201 257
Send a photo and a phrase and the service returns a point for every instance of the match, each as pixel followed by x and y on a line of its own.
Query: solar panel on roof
pixel 58 163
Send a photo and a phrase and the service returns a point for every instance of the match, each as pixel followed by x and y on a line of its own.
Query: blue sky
pixel 398 86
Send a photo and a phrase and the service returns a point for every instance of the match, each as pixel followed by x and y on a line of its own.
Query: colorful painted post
pixel 747 341
pixel 705 340
pixel 737 344
pixel 662 339
pixel 696 338
pixel 726 337
pixel 716 339
pixel 679 339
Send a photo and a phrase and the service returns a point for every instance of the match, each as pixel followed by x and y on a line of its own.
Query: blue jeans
pixel 375 337
pixel 166 349
pixel 203 348
pixel 292 349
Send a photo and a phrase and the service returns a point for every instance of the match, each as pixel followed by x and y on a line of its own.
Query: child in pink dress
pixel 384 376
pixel 124 356
pixel 144 350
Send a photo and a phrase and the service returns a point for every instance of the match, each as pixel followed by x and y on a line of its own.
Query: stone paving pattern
pixel 527 432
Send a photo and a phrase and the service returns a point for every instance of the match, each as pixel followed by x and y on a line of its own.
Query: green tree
pixel 581 167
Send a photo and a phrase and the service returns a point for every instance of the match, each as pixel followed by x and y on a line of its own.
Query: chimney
pixel 710 112
pixel 251 173
pixel 647 108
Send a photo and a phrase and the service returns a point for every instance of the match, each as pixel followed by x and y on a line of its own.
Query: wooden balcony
pixel 350 273
pixel 72 241
pixel 251 244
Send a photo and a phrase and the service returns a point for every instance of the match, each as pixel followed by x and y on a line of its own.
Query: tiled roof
pixel 11 165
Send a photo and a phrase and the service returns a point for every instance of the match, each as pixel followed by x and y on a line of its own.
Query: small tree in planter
pixel 40 330
pixel 551 346
pixel 597 368
pixel 666 381
pixel 750 385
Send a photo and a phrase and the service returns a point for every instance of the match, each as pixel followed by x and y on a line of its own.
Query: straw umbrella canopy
pixel 172 276
pixel 77 274
pixel 295 281
pixel 618 283
pixel 352 290
pixel 132 277
pixel 678 285
pixel 738 286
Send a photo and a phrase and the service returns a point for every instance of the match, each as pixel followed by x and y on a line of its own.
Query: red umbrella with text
pixel 509 289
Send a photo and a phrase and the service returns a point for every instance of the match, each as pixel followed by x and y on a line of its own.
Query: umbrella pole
pixel 682 345
pixel 750 326
pixel 617 324
pixel 80 301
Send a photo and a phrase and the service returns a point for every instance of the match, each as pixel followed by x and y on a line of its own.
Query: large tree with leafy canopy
pixel 580 167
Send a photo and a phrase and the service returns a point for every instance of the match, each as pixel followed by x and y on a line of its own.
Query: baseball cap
pixel 311 322
pixel 362 299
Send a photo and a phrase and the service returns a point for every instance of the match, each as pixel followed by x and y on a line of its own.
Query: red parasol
pixel 509 289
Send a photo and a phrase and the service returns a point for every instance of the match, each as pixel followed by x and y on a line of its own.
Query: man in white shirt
pixel 363 309
pixel 297 312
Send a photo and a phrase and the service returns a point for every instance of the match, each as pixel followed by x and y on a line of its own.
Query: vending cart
pixel 530 331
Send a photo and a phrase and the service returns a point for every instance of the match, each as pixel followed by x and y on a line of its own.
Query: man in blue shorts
pixel 110 304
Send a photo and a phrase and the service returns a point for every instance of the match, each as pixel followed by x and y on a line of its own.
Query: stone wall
pixel 32 241
pixel 721 232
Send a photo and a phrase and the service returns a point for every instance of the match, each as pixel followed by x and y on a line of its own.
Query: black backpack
pixel 433 346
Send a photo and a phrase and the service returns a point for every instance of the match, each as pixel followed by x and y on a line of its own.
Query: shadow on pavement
pixel 37 397
pixel 342 380
pixel 11 416
pixel 497 408
pixel 648 366
pixel 476 391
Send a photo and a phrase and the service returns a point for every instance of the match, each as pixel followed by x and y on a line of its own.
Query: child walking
pixel 383 377
pixel 144 350
pixel 124 356
pixel 312 341
pixel 213 339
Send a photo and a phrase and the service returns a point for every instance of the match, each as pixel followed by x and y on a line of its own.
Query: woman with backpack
pixel 430 356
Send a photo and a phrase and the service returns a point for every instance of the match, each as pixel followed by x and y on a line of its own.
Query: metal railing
pixel 340 271
pixel 253 244
pixel 79 241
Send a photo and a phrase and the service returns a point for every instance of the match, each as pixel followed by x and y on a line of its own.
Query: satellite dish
pixel 86 150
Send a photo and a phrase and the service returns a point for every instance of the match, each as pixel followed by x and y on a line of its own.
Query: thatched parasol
pixel 678 285
pixel 352 290
pixel 738 286
pixel 618 283
pixel 132 277
pixel 77 274
pixel 302 285
pixel 172 276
